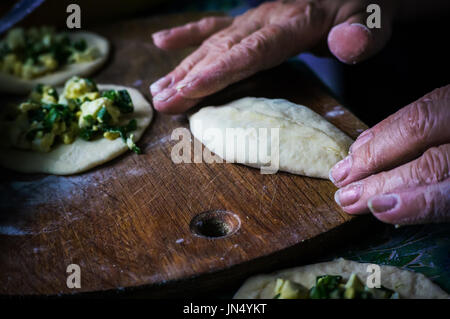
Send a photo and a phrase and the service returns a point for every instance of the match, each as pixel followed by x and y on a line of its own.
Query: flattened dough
pixel 16 85
pixel 308 144
pixel 81 155
pixel 407 283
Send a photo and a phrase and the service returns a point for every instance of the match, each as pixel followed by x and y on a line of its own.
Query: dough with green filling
pixel 13 84
pixel 81 155
pixel 407 284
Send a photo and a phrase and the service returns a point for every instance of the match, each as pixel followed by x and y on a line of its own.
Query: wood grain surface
pixel 129 223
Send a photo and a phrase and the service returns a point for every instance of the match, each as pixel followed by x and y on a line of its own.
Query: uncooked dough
pixel 407 283
pixel 308 144
pixel 81 155
pixel 13 84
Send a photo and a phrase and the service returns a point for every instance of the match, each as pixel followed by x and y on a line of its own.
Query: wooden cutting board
pixel 138 221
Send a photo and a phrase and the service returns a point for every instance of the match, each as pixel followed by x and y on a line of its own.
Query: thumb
pixel 352 41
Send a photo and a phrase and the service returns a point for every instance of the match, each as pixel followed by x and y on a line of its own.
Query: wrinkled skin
pixel 233 49
pixel 398 170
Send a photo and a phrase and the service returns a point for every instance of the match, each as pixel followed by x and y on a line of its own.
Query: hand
pixel 233 49
pixel 399 169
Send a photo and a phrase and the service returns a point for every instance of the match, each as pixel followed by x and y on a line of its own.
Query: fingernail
pixel 361 140
pixel 383 203
pixel 348 195
pixel 156 87
pixel 341 170
pixel 188 82
pixel 165 95
pixel 362 26
pixel 161 33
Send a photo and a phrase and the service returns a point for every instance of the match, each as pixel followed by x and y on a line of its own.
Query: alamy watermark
pixel 373 21
pixel 73 20
pixel 259 147
pixel 374 279
pixel 74 278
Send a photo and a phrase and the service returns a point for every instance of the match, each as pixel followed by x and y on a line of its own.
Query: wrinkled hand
pixel 399 169
pixel 233 49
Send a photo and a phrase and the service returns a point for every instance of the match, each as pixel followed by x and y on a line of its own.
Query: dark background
pixel 414 62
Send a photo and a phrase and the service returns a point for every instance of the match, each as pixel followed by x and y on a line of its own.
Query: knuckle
pixel 376 184
pixel 369 158
pixel 220 42
pixel 192 26
pixel 207 23
pixel 439 94
pixel 436 203
pixel 267 6
pixel 273 30
pixel 433 165
pixel 221 64
pixel 314 11
pixel 441 202
pixel 418 121
pixel 430 209
pixel 186 66
pixel 244 18
pixel 255 44
pixel 260 45
pixel 226 44
pixel 425 207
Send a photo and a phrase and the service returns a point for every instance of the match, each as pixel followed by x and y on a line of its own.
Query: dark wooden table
pixel 129 223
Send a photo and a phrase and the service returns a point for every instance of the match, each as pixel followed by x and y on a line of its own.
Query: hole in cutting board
pixel 215 224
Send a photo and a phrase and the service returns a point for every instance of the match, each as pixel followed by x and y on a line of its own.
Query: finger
pixel 211 49
pixel 170 102
pixel 190 34
pixel 431 168
pixel 245 48
pixel 225 38
pixel 258 51
pixel 352 41
pixel 205 56
pixel 398 139
pixel 426 204
pixel 179 72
